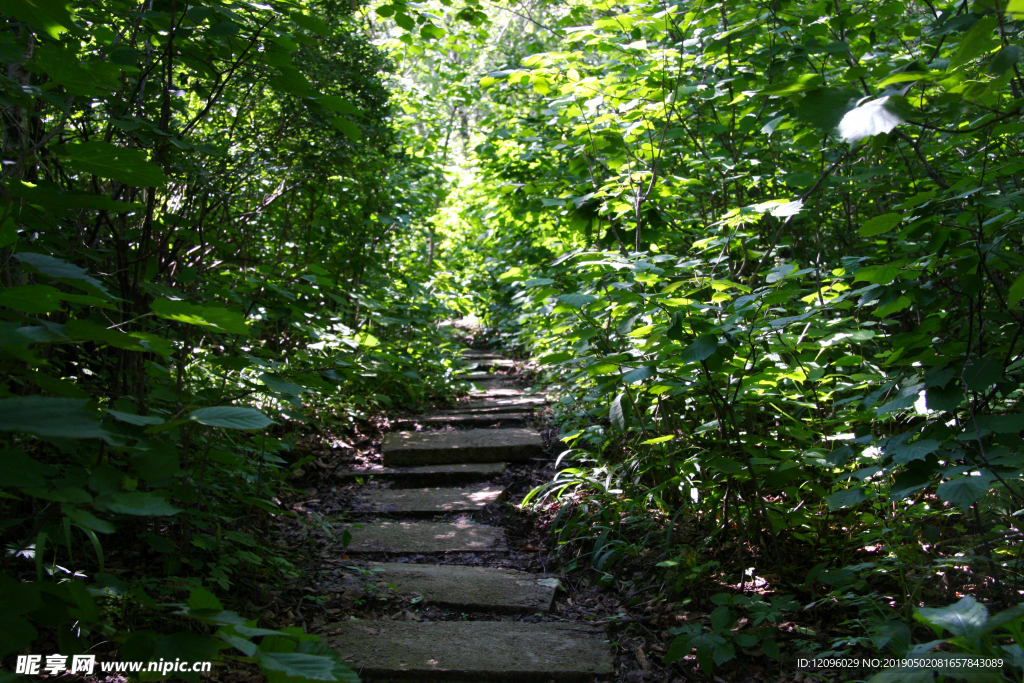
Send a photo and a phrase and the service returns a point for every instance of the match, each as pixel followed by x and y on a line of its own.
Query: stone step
pixel 470 588
pixel 472 355
pixel 518 402
pixel 517 444
pixel 492 363
pixel 426 538
pixel 429 501
pixel 428 475
pixel 480 376
pixel 473 650
pixel 494 390
pixel 466 419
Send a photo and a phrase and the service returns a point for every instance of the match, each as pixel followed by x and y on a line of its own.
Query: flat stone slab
pixel 491 363
pixel 479 376
pixel 513 402
pixel 426 538
pixel 481 355
pixel 474 650
pixel 479 588
pixel 463 419
pixel 494 390
pixel 430 474
pixel 430 501
pixel 516 444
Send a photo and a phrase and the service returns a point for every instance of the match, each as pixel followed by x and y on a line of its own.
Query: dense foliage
pixel 205 218
pixel 771 253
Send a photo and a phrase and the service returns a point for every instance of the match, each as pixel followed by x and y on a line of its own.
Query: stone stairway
pixel 458 466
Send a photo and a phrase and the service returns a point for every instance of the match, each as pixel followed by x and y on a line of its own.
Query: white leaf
pixel 870 118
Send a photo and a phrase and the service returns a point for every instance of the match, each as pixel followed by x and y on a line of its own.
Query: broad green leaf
pixel 981 373
pixel 130 418
pixel 61 270
pixel 298 665
pixel 964 491
pixel 33 299
pixel 845 499
pixel 138 503
pixel 965 617
pixel 916 450
pixel 212 317
pixel 1016 292
pixel 638 375
pixel 313 24
pixel 880 224
pixel 202 599
pixel 280 385
pixel 702 349
pixel 577 300
pixel 51 16
pixel 43 416
pixel 86 519
pixel 231 417
pixel 128 166
pixel 980 39
pixel 337 104
pixel 1005 59
pixel 824 108
pixel 348 128
pixel 801 84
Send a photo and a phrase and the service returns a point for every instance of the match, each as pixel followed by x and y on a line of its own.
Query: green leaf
pixel 32 299
pixel 577 300
pixel 880 224
pixel 801 84
pixel 138 503
pixel 1005 59
pixel 963 619
pixel 51 16
pixel 54 417
pixel 337 104
pixel 964 491
pixel 86 519
pixel 298 665
pixel 128 166
pixel 917 450
pixel 702 349
pixel 616 414
pixel 638 375
pixel 16 633
pixel 845 499
pixel 61 270
pixel 981 373
pixel 1016 292
pixel 346 127
pixel 280 385
pixel 231 417
pixel 981 38
pixel 212 317
pixel 130 418
pixel 312 24
pixel 824 108
pixel 202 599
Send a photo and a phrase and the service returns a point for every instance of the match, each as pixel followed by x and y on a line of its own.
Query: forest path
pixel 513 637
